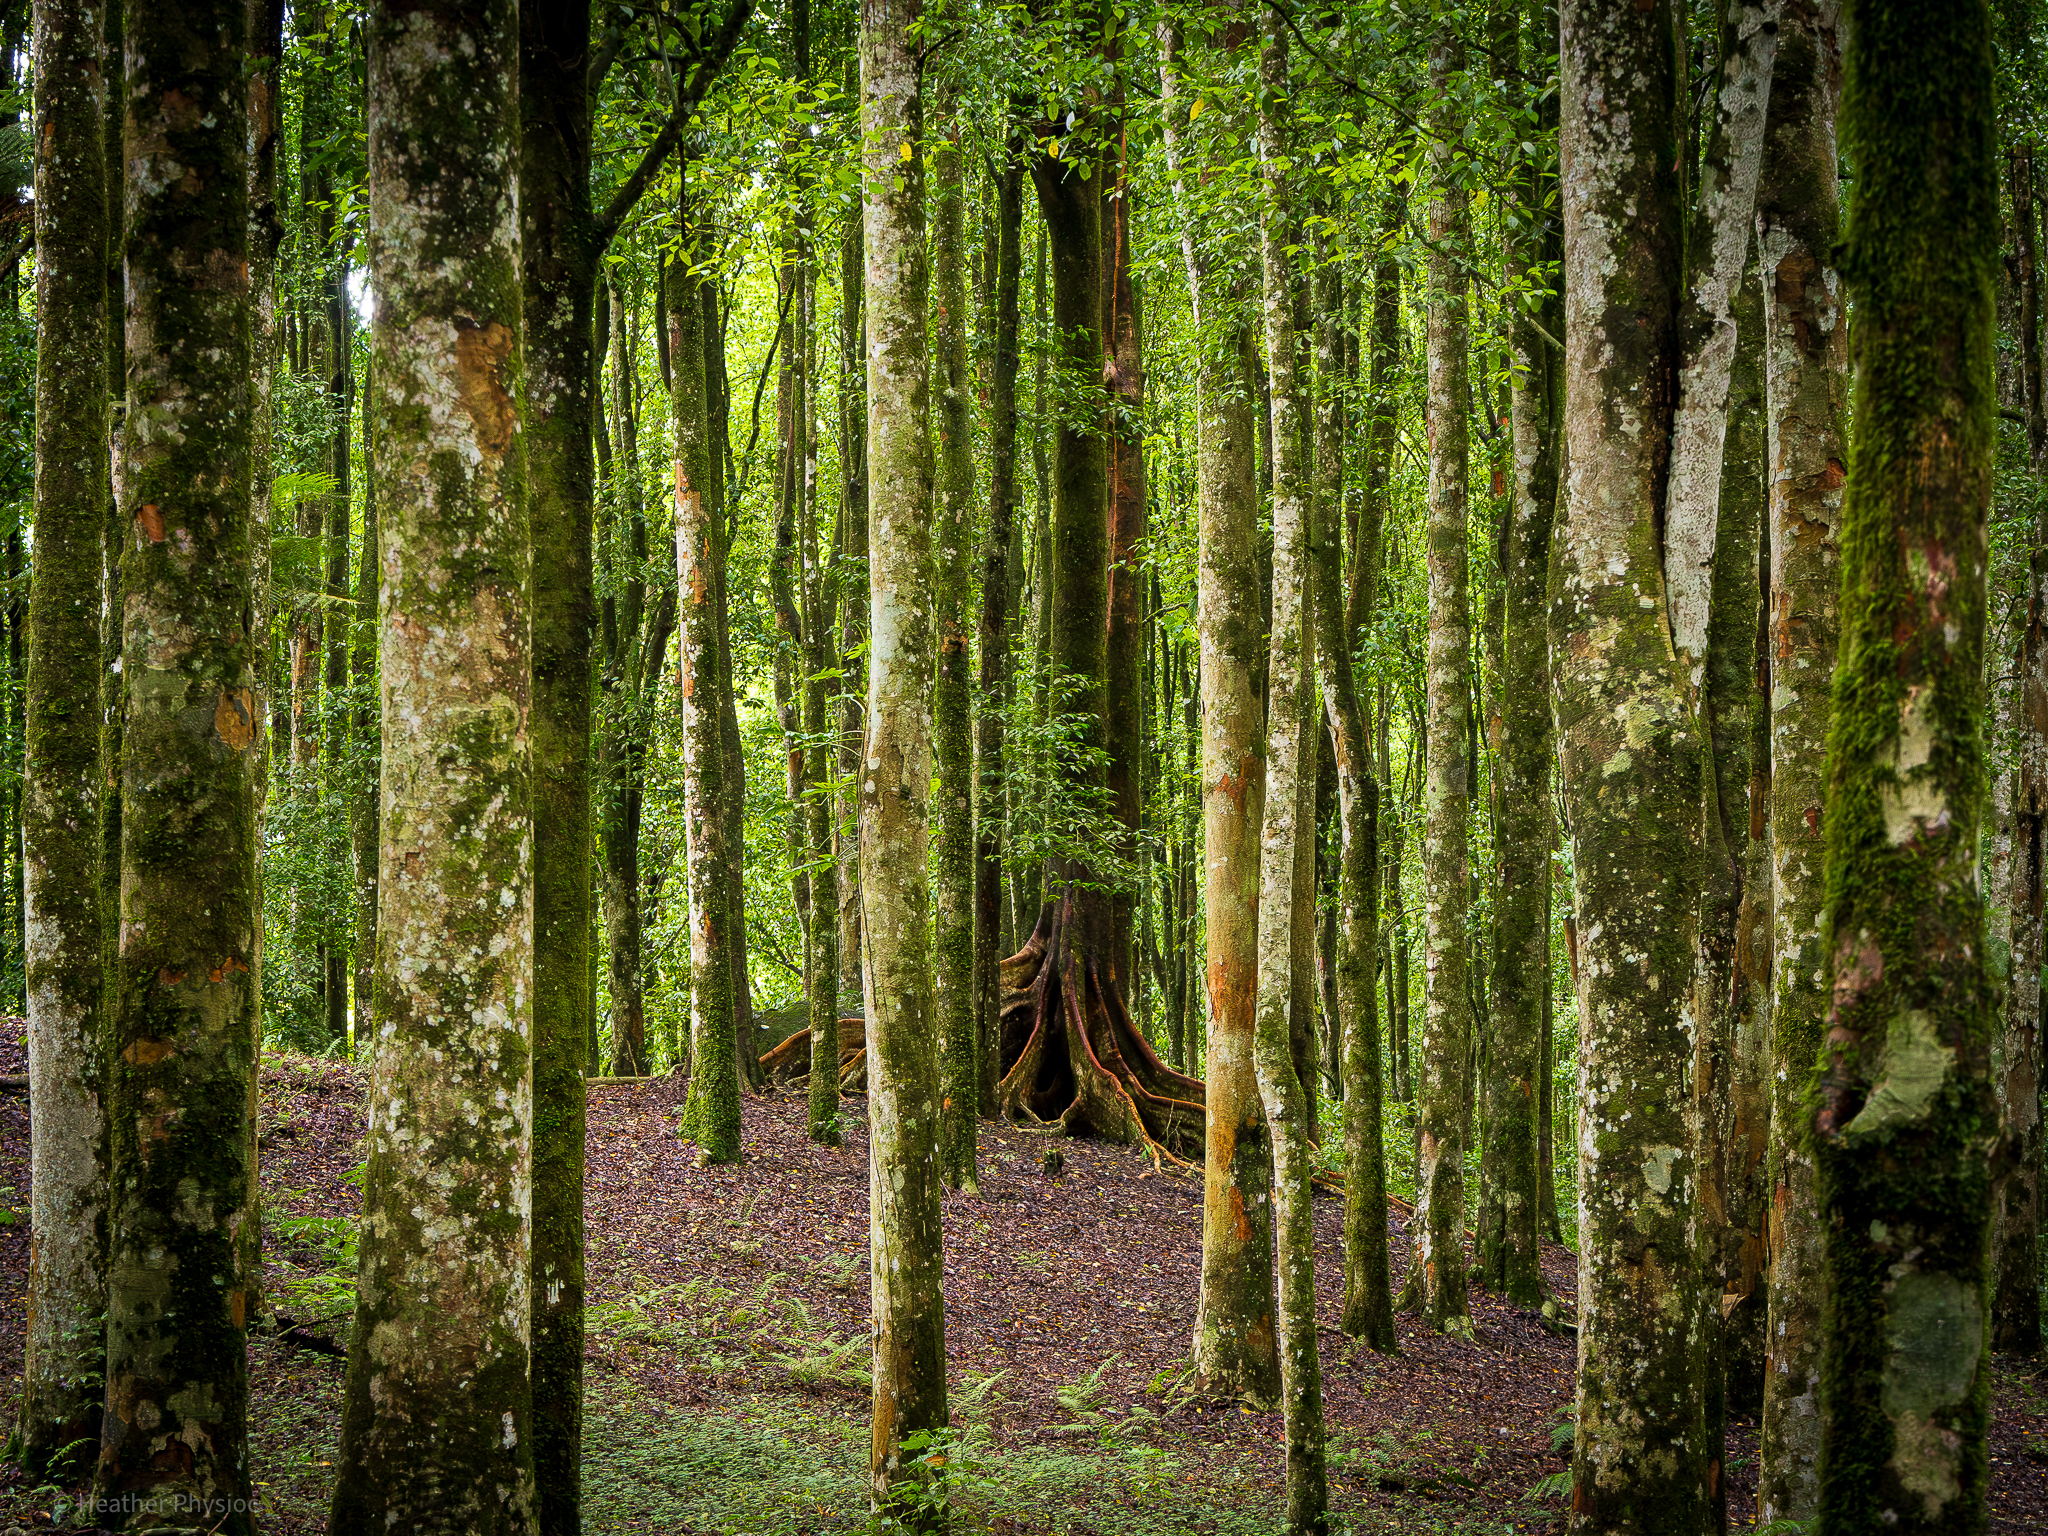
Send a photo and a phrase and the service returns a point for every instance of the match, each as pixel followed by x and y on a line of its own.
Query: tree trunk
pixel 1436 1274
pixel 64 966
pixel 437 1420
pixel 1509 1251
pixel 1734 985
pixel 1806 383
pixel 1235 1351
pixel 335 624
pixel 2016 1234
pixel 1123 368
pixel 559 271
pixel 1902 1101
pixel 1368 1297
pixel 906 1241
pixel 364 813
pixel 1631 763
pixel 997 597
pixel 180 1089
pixel 853 609
pixel 712 1115
pixel 953 938
pixel 1291 726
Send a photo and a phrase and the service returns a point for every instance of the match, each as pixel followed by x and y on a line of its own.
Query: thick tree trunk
pixel 906 1241
pixel 1631 762
pixel 998 595
pixel 1806 383
pixel 2016 1235
pixel 1903 1104
pixel 181 1050
pixel 1436 1274
pixel 1368 1298
pixel 437 1424
pixel 1234 1347
pixel 1291 725
pixel 559 271
pixel 953 827
pixel 712 1114
pixel 64 966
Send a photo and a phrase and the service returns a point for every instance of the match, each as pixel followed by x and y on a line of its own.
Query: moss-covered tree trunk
pixel 998 596
pixel 180 1087
pixel 1806 389
pixel 1436 1273
pixel 853 597
pixel 368 728
pixel 2016 1233
pixel 1368 1298
pixel 558 263
pixel 336 746
pixel 906 1243
pixel 1902 1113
pixel 1290 701
pixel 1235 1349
pixel 953 493
pixel 1508 1247
pixel 437 1427
pixel 821 935
pixel 712 1114
pixel 65 1351
pixel 1631 765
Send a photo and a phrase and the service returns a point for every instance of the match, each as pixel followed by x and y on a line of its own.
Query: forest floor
pixel 728 1345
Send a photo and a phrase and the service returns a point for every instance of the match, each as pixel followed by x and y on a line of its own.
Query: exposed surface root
pixel 1073 1057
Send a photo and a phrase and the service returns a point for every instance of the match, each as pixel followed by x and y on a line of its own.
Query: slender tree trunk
pixel 853 610
pixel 2016 1234
pixel 997 596
pixel 1436 1275
pixel 437 1427
pixel 364 813
pixel 1903 1098
pixel 1368 1298
pixel 335 623
pixel 905 1242
pixel 559 270
pixel 1632 769
pixel 1291 724
pixel 1509 1250
pixel 65 1356
pixel 180 1088
pixel 712 1115
pixel 953 826
pixel 1123 366
pixel 821 960
pixel 1234 1346
pixel 1734 988
pixel 1806 382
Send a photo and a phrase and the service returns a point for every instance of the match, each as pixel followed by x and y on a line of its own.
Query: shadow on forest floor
pixel 727 1349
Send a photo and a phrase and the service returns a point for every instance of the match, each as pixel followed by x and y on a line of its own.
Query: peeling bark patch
pixel 151 519
pixel 234 719
pixel 1916 1064
pixel 480 353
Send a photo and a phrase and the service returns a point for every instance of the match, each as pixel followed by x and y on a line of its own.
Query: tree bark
pixel 65 1352
pixel 906 1239
pixel 2016 1235
pixel 953 938
pixel 1509 1248
pixel 1368 1298
pixel 1903 1107
pixel 1235 1350
pixel 853 610
pixel 1631 762
pixel 180 1089
pixel 559 274
pixel 1436 1273
pixel 1291 722
pixel 437 1426
pixel 1806 383
pixel 997 598
pixel 712 1114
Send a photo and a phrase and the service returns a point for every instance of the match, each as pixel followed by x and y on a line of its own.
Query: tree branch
pixel 704 68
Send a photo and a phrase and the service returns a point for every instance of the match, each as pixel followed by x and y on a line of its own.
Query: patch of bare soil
pixel 1070 1304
